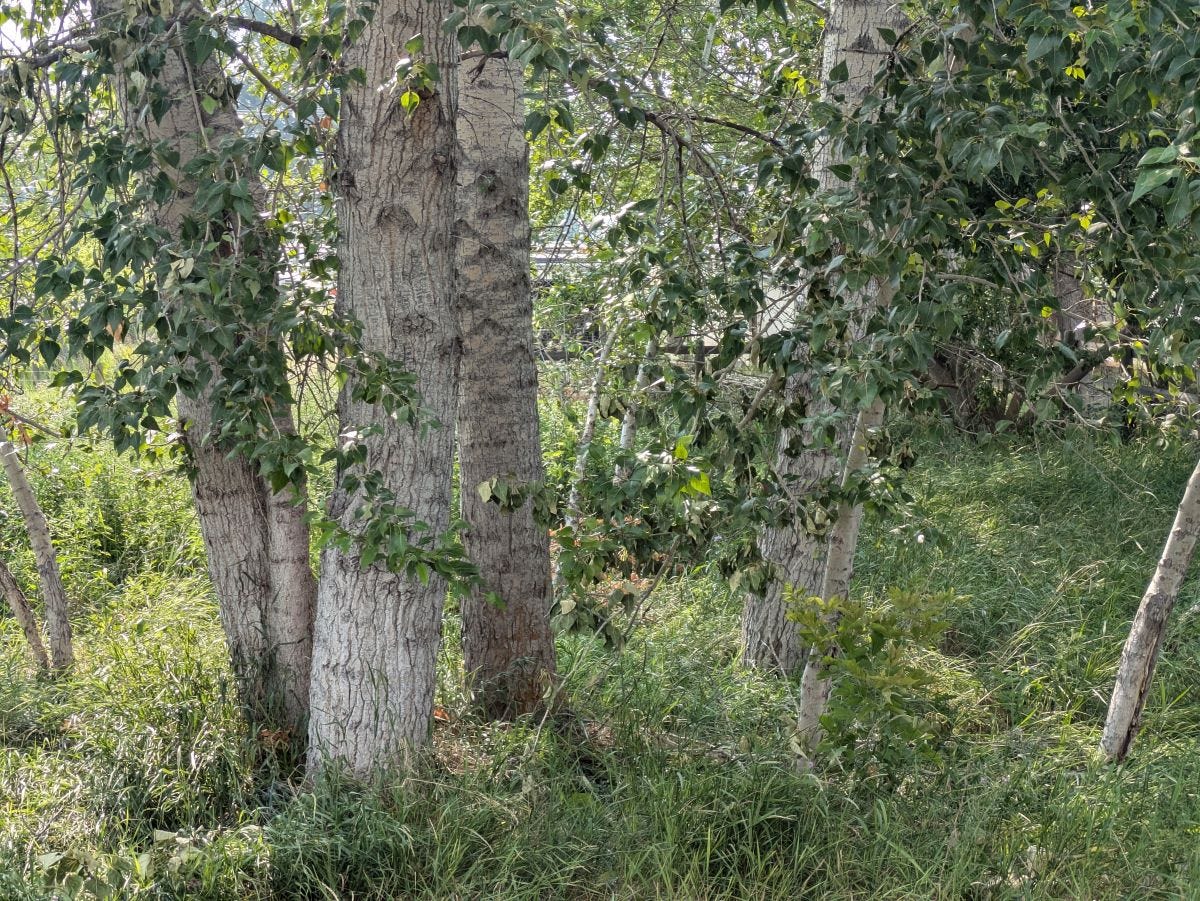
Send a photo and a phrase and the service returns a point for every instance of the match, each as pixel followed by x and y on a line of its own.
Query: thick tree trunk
pixel 58 622
pixel 377 632
pixel 1149 628
pixel 508 649
pixel 257 540
pixel 795 556
pixel 24 616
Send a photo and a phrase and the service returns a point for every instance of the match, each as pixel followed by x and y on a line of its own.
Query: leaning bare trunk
pixel 257 540
pixel 24 616
pixel 815 683
pixel 508 648
pixel 1150 627
pixel 377 632
pixel 795 556
pixel 58 623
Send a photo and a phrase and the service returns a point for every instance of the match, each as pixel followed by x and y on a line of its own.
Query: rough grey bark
pixel 54 596
pixel 24 616
pixel 508 649
pixel 257 540
pixel 795 556
pixel 1149 628
pixel 377 632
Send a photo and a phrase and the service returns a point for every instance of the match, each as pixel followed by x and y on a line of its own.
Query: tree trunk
pixel 590 420
pixel 1149 628
pixel 815 683
pixel 24 616
pixel 508 648
pixel 795 556
pixel 257 540
pixel 378 632
pixel 58 622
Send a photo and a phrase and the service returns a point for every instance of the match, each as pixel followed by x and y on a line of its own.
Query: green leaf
pixel 1149 179
pixel 1179 207
pixel 839 73
pixel 1159 156
pixel 409 101
pixel 1041 44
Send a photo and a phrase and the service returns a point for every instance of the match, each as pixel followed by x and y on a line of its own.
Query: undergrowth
pixel 673 775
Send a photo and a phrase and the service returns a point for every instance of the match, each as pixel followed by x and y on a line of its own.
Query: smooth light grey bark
pixel 378 632
pixel 796 556
pixel 815 684
pixel 23 614
pixel 54 596
pixel 508 649
pixel 1149 628
pixel 257 540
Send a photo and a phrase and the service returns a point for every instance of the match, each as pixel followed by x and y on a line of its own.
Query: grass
pixel 135 777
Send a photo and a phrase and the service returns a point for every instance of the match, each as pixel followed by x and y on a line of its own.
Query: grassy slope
pixel 677 782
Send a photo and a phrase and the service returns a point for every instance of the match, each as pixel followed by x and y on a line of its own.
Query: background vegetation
pixel 673 776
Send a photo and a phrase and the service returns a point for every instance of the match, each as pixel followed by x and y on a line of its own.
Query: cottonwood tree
pixel 797 550
pixel 157 238
pixel 508 648
pixel 255 533
pixel 378 625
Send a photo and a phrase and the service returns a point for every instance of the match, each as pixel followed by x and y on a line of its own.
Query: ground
pixel 673 777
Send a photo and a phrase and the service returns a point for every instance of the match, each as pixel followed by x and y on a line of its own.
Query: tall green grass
pixel 672 776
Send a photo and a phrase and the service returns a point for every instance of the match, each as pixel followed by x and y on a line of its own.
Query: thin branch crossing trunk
pixel 1149 628
pixel 815 683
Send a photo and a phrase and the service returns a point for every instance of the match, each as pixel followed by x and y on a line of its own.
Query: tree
pixel 508 648
pixel 255 533
pixel 378 621
pixel 805 461
pixel 58 621
pixel 1149 629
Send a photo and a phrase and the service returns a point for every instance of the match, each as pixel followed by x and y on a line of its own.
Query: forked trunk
pixel 508 648
pixel 257 540
pixel 815 683
pixel 1149 628
pixel 377 631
